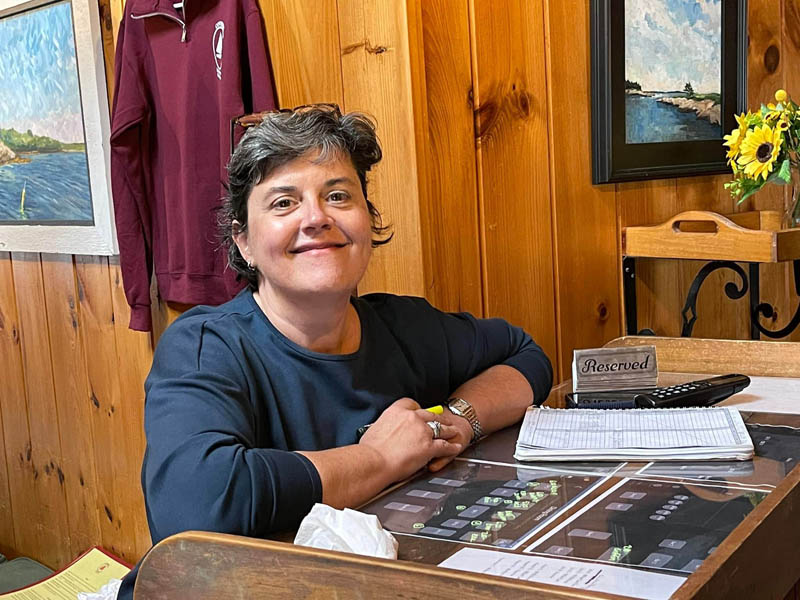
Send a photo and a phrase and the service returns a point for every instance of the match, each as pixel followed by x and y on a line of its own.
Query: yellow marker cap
pixel 437 410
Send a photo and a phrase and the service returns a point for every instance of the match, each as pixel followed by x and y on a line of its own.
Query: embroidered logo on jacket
pixel 216 46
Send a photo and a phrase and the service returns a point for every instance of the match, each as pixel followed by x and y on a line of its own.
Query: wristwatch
pixel 462 408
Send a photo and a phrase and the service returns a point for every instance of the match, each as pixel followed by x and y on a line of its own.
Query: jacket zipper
pixel 169 16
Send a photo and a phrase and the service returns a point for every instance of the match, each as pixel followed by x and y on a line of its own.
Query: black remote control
pixel 703 392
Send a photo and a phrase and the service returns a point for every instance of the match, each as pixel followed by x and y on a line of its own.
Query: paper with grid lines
pixel 715 433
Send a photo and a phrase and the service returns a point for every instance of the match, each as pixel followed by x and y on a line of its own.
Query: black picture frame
pixel 615 160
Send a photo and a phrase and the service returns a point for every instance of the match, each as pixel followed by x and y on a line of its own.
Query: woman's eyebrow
pixel 281 189
pixel 338 180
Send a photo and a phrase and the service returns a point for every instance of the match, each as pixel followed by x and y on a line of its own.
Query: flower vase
pixel 791 218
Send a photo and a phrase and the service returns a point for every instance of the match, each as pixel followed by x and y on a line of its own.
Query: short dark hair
pixel 283 136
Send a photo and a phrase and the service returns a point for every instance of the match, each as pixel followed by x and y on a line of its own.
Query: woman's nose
pixel 315 214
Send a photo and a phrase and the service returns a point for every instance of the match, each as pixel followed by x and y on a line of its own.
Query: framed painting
pixel 54 126
pixel 667 78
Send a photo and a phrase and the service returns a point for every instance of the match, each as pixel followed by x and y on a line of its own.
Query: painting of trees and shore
pixel 673 70
pixel 44 175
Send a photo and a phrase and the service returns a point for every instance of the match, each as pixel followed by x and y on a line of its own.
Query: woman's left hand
pixel 463 436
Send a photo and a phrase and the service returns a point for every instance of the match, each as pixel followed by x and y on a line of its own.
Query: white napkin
pixel 347 531
pixel 108 592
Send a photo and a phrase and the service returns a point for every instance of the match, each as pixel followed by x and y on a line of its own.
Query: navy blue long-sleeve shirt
pixel 229 398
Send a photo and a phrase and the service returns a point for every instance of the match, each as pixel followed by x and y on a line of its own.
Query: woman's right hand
pixel 405 442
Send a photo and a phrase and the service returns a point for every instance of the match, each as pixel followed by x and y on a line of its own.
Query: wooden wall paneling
pixel 765 63
pixel 790 43
pixel 115 504
pixel 585 220
pixel 77 469
pixel 51 521
pixel 514 179
pixel 446 153
pixel 768 65
pixel 133 359
pixel 304 49
pixel 658 297
pixel 376 79
pixel 110 17
pixel 18 511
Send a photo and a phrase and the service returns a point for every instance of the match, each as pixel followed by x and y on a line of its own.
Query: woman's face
pixel 308 228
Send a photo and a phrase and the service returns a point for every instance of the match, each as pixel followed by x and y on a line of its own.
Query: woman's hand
pixel 463 437
pixel 404 440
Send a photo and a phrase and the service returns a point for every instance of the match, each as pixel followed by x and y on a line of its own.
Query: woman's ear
pixel 239 235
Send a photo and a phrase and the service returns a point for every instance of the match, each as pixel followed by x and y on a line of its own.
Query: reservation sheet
pixel 555 571
pixel 611 429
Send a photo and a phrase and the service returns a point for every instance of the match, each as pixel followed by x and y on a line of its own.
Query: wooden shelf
pixel 753 236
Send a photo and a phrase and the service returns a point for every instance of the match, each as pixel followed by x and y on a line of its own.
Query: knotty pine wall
pixel 483 112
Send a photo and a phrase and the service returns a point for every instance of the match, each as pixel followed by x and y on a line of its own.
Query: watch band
pixel 462 408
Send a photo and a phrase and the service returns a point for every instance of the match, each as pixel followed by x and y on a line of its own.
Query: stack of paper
pixel 716 433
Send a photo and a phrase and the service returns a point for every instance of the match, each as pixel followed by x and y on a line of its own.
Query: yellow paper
pixel 87 574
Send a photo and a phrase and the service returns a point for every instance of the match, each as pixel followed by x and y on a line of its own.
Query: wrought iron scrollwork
pixel 689 312
pixel 767 311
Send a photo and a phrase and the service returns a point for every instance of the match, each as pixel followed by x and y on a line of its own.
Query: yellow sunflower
pixel 759 151
pixel 734 140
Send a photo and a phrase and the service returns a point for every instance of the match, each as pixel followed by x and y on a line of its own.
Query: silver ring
pixel 436 427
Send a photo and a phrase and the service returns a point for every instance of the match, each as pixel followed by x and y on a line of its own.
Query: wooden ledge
pixel 753 236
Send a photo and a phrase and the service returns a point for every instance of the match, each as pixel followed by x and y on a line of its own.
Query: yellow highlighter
pixel 437 410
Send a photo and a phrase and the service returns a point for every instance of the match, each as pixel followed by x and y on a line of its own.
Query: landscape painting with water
pixel 673 70
pixel 44 175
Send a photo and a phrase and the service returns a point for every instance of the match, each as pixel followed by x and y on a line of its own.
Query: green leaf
pixel 785 171
pixel 748 193
pixel 749 187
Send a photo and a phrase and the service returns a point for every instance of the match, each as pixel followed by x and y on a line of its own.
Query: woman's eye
pixel 282 203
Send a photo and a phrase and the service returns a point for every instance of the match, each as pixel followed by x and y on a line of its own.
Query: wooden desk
pixel 757 560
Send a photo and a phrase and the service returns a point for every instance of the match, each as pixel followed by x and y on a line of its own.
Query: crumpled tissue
pixel 347 531
pixel 108 592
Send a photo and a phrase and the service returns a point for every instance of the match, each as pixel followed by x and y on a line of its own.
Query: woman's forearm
pixel 500 395
pixel 350 475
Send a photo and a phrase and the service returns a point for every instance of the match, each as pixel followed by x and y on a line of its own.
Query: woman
pixel 253 407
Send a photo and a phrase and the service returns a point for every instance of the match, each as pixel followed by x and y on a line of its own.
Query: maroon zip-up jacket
pixel 181 75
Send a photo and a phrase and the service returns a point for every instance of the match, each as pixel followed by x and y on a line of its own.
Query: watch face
pixel 459 404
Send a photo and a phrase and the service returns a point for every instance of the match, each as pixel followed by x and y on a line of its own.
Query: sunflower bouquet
pixel 764 147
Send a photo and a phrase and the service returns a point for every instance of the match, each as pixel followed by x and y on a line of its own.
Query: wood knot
pixel 772 58
pixel 522 101
pixel 95 401
pixel 485 118
pixel 109 515
pixel 510 103
pixel 602 312
pixel 365 44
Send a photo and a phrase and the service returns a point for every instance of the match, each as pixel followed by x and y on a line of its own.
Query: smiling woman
pixel 253 407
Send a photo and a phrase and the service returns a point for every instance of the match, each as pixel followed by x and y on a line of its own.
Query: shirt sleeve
pixel 475 344
pixel 129 116
pixel 203 467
